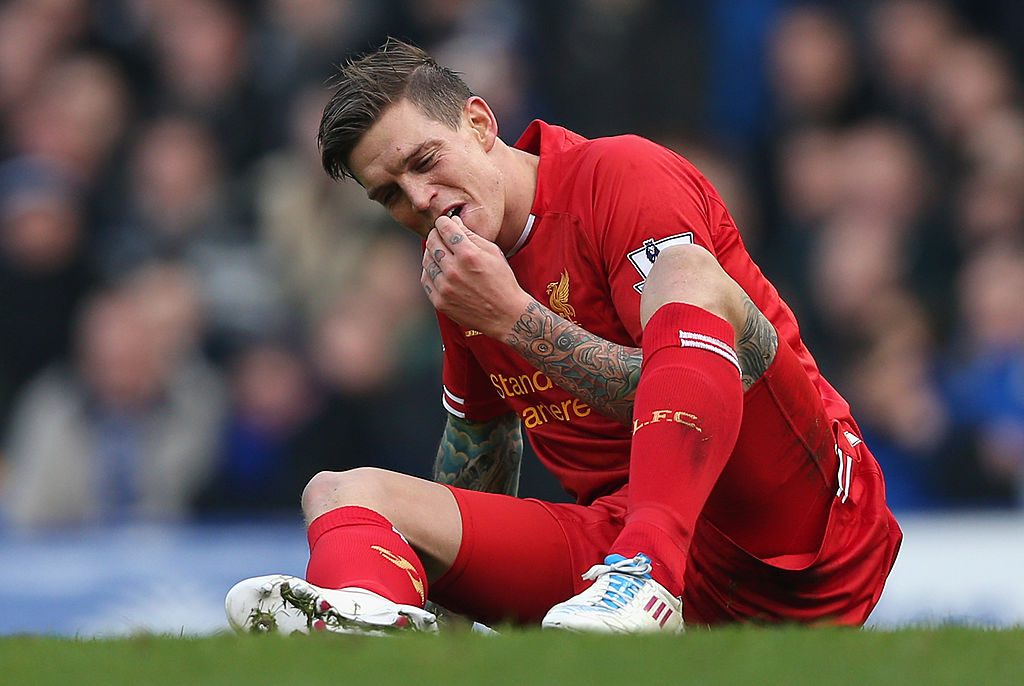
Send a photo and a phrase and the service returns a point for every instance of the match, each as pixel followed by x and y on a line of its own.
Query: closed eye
pixel 385 196
pixel 425 163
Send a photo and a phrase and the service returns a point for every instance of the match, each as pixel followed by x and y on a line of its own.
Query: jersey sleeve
pixel 645 198
pixel 466 391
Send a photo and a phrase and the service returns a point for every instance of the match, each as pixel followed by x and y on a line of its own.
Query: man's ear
pixel 478 116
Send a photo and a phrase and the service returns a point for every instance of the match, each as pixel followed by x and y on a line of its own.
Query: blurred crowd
pixel 194 319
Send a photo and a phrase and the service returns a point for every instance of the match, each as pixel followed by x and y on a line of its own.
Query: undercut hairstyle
pixel 365 86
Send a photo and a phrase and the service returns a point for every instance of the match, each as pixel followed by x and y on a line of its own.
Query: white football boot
pixel 623 599
pixel 286 604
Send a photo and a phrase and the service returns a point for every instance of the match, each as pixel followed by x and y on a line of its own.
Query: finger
pixel 430 267
pixel 433 242
pixel 451 230
pixel 433 270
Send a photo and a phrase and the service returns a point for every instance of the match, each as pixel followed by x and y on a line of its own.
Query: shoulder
pixel 621 177
pixel 609 151
pixel 635 162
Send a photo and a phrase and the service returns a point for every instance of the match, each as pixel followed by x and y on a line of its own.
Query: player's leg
pixel 387 509
pixel 782 470
pixel 687 415
pixel 374 534
pixel 796 528
pixel 520 556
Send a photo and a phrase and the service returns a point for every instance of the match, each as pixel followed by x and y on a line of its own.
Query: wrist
pixel 505 326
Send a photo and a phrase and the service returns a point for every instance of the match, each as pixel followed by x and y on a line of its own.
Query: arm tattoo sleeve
pixel 757 344
pixel 601 373
pixel 481 456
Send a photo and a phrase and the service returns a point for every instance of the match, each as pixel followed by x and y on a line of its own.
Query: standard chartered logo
pixel 564 411
pixel 541 413
pixel 524 384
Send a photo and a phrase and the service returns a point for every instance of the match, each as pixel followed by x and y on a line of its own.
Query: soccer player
pixel 597 293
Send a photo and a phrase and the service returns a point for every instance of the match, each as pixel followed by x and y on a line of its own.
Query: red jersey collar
pixel 547 141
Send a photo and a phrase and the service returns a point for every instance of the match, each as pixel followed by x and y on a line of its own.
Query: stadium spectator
pixel 127 432
pixel 317 235
pixel 905 38
pixel 264 449
pixel 813 66
pixel 44 271
pixel 969 79
pixel 203 67
pixel 182 206
pixel 28 46
pixel 901 409
pixel 985 379
pixel 368 348
pixel 293 46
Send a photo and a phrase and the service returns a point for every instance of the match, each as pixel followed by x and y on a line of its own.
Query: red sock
pixel 686 418
pixel 355 546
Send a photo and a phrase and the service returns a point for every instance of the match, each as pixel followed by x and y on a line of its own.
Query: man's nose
pixel 420 195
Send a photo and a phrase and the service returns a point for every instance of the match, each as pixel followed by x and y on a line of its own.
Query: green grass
pixel 733 656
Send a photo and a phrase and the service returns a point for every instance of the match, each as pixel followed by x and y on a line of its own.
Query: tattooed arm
pixel 604 374
pixel 756 345
pixel 600 373
pixel 481 456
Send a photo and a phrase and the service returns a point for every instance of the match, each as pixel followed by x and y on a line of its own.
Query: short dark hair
pixel 367 85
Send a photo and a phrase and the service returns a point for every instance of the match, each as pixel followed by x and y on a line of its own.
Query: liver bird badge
pixel 558 297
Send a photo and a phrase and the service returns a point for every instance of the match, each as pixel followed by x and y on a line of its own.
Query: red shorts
pixel 783 484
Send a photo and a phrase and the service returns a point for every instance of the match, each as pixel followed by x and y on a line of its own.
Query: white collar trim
pixel 522 239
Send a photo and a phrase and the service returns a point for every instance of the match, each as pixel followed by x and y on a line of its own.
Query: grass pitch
pixel 528 658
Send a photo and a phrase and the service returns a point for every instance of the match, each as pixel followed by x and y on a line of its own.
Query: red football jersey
pixel 602 211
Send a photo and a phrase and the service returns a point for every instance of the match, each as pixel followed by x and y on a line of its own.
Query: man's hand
pixel 467 278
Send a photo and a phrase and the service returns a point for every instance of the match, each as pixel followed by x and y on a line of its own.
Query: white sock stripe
pixel 694 336
pixel 685 343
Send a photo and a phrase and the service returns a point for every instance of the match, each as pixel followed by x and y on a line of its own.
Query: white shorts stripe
pixel 839 477
pixel 849 470
pixel 845 472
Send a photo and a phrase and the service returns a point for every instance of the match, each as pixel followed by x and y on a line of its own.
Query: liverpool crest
pixel 558 297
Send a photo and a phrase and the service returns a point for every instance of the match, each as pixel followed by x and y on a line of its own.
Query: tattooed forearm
pixel 756 346
pixel 601 373
pixel 604 374
pixel 481 456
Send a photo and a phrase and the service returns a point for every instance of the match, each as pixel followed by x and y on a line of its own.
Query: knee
pixel 326 491
pixel 690 274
